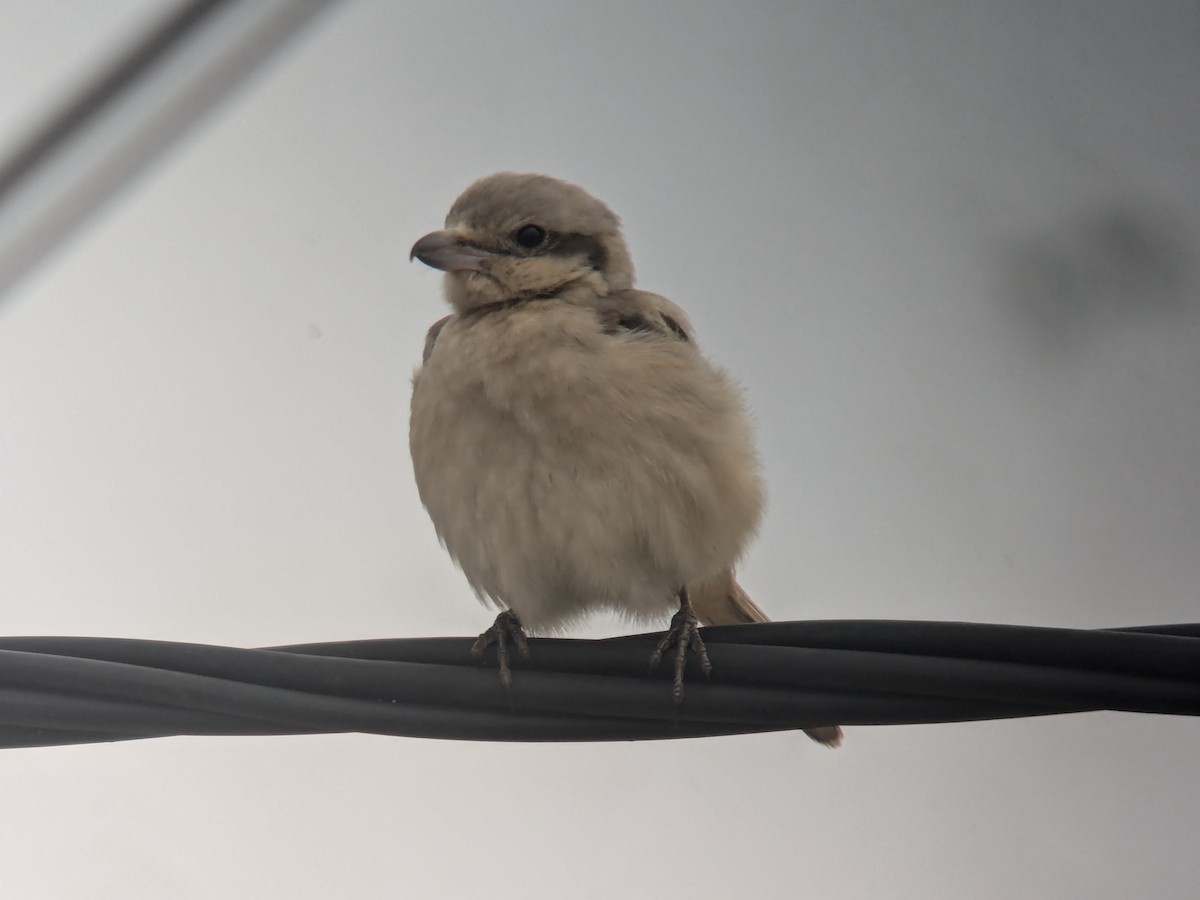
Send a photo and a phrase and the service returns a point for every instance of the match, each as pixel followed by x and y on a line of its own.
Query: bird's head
pixel 513 236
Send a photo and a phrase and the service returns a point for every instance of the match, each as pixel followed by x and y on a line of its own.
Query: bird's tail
pixel 721 601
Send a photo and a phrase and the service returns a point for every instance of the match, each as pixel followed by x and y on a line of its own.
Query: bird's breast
pixel 553 457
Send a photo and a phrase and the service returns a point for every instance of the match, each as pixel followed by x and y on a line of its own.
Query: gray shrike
pixel 572 445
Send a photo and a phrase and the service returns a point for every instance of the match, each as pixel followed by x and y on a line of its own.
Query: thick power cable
pixel 767 677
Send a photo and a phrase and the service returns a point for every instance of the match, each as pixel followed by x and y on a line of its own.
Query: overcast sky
pixel 949 250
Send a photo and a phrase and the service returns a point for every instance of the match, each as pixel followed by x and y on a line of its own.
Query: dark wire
pixel 107 87
pixel 769 677
pixel 164 81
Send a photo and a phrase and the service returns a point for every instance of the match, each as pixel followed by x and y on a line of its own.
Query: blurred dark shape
pixel 1102 269
pixel 132 110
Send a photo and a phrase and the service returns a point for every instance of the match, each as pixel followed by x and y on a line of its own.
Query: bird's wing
pixel 640 311
pixel 431 336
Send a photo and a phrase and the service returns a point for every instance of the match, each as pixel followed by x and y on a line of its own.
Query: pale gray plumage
pixel 573 447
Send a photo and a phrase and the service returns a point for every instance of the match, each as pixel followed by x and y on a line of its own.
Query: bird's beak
pixel 448 250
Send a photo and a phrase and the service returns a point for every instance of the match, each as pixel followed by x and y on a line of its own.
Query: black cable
pixel 768 677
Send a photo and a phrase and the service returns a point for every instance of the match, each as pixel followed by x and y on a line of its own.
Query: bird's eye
pixel 530 236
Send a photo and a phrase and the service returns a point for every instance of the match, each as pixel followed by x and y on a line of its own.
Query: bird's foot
pixel 507 627
pixel 683 635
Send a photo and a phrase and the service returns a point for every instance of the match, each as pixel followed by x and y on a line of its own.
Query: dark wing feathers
pixel 619 314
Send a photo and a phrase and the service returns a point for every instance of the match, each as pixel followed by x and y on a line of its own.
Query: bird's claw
pixel 683 635
pixel 506 627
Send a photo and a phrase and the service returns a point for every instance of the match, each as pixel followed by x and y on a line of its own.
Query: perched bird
pixel 572 445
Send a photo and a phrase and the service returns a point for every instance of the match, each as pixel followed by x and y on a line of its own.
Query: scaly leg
pixel 683 635
pixel 506 627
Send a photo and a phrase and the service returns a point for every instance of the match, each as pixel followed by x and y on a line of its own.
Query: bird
pixel 574 448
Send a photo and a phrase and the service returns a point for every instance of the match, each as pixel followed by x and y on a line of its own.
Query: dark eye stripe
pixel 586 245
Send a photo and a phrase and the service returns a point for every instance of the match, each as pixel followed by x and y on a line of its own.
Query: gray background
pixel 949 249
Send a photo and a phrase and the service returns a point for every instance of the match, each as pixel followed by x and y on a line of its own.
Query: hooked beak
pixel 447 250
